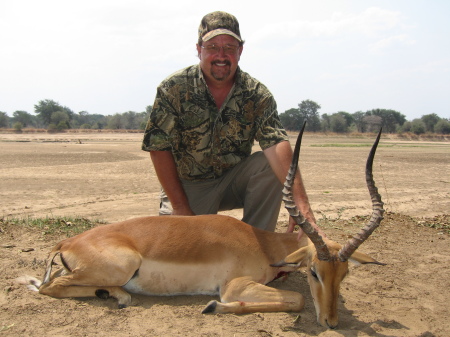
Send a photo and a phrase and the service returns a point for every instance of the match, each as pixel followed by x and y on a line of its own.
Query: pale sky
pixel 108 56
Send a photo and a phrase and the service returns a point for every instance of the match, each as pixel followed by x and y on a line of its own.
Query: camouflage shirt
pixel 206 141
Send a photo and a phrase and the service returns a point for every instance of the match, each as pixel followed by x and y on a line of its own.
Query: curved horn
pixel 321 248
pixel 377 210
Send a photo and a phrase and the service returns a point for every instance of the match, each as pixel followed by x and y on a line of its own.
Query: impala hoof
pixel 210 307
pixel 122 306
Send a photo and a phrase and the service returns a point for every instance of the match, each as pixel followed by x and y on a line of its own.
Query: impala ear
pixel 294 259
pixel 361 258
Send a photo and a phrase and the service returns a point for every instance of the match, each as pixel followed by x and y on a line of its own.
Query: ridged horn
pixel 321 248
pixel 377 210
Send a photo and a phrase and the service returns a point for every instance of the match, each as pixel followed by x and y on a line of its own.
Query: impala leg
pixel 94 274
pixel 242 295
pixel 64 286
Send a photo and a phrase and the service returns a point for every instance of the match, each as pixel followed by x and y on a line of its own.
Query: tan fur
pixel 172 255
pixel 208 254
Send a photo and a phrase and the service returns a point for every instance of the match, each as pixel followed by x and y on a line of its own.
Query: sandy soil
pixel 107 176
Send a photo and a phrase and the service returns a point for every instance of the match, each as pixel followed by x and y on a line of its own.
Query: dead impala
pixel 208 254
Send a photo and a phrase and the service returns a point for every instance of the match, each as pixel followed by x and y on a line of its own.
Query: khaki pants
pixel 250 185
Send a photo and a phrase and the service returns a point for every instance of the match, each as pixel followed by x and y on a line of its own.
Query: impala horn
pixel 321 248
pixel 377 210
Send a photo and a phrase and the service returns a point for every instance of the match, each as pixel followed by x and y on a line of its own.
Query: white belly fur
pixel 163 278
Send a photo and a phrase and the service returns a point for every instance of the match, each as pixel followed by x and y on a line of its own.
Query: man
pixel 201 130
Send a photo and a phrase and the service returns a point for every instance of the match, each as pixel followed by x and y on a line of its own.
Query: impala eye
pixel 313 274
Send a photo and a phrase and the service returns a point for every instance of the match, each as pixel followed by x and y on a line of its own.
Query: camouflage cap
pixel 218 23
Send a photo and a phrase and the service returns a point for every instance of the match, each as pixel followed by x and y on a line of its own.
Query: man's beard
pixel 221 76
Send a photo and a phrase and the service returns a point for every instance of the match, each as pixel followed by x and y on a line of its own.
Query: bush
pixel 406 127
pixel 338 123
pixel 62 125
pixel 442 127
pixel 52 128
pixel 18 126
pixel 418 127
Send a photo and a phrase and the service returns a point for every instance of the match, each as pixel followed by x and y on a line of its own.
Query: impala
pixel 209 254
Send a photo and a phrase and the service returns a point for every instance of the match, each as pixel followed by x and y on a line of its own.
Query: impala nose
pixel 331 326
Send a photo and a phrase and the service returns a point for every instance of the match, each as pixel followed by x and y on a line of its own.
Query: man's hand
pixel 293 224
pixel 167 173
pixel 182 211
pixel 291 228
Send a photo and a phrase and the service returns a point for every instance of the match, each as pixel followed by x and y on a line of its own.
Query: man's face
pixel 219 64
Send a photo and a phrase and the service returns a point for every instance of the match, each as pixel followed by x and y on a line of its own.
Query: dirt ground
pixel 106 176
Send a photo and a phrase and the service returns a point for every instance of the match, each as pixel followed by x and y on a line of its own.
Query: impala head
pixel 324 278
pixel 327 261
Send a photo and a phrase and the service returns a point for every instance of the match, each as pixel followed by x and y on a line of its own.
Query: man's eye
pixel 230 49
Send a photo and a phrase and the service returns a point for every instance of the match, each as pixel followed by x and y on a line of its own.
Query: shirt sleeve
pixel 159 133
pixel 270 131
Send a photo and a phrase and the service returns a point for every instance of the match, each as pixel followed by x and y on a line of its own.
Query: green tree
pixel 115 122
pixel 291 119
pixel 442 127
pixel 130 120
pixel 418 126
pixel 61 119
pixel 45 108
pixel 358 120
pixel 325 123
pixel 4 119
pixel 406 127
pixel 390 119
pixel 338 123
pixel 309 111
pixel 430 121
pixel 79 119
pixel 97 121
pixel 23 118
pixel 372 123
pixel 18 126
pixel 348 118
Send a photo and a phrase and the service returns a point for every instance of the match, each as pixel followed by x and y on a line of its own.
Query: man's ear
pixel 241 49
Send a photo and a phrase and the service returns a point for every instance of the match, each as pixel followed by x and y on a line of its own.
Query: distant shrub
pixel 418 127
pixel 62 125
pixel 442 127
pixel 52 128
pixel 17 127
